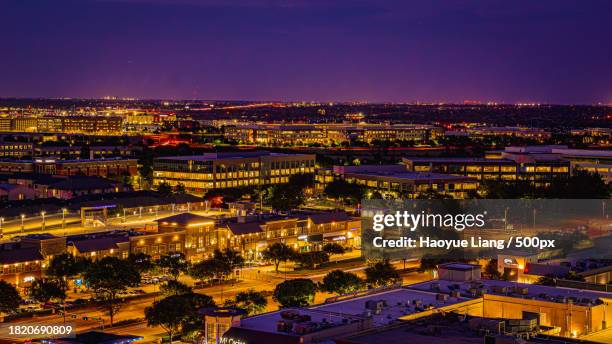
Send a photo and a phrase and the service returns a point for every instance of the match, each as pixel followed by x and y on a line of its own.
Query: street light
pixel 42 213
pixel 64 220
pixel 22 217
pixel 1 220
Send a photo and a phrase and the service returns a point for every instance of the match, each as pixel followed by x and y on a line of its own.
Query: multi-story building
pixel 81 124
pixel 485 131
pixel 395 180
pixel 23 261
pixel 24 124
pixel 326 134
pixel 112 167
pixel 537 168
pixel 73 152
pixel 15 149
pixel 224 170
pixel 5 124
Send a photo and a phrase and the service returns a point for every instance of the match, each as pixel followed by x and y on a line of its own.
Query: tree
pixel 340 282
pixel 228 260
pixel 381 274
pixel 221 265
pixel 298 292
pixel 172 288
pixel 109 277
pixel 65 266
pixel 169 313
pixel 204 270
pixel 164 189
pixel 333 248
pixel 581 185
pixel 85 152
pixel 142 262
pixel 286 197
pixel 309 260
pixel 180 188
pixel 252 301
pixel 277 253
pixel 173 264
pixel 547 280
pixel 9 297
pixel 349 193
pixel 43 290
pixel 491 269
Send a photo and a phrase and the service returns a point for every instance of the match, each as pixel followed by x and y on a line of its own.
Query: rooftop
pixel 514 289
pixel 185 219
pixel 410 176
pixel 396 303
pixel 20 255
pixel 226 155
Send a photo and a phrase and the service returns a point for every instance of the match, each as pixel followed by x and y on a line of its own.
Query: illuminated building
pixel 395 180
pixel 303 232
pixel 485 131
pixel 15 149
pixel 24 124
pixel 510 165
pixel 81 124
pixel 23 261
pixel 225 170
pixel 111 167
pixel 327 134
pixel 200 236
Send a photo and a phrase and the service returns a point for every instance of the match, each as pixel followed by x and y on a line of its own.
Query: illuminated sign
pixel 226 340
pixel 510 261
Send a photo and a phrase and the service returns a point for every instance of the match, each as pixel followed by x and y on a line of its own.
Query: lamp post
pixel 64 220
pixel 42 213
pixel 1 220
pixel 22 217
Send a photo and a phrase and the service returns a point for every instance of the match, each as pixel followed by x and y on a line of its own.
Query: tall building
pixel 225 170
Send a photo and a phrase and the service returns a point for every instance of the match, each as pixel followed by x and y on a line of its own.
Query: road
pixel 260 279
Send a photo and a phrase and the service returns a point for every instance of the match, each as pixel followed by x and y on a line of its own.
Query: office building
pixel 395 180
pixel 225 170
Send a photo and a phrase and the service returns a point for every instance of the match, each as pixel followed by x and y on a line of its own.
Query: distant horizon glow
pixel 523 52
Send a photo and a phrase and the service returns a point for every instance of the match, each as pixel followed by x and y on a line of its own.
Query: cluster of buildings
pixel 23 260
pixel 456 177
pixel 327 134
pixel 459 306
pixel 536 164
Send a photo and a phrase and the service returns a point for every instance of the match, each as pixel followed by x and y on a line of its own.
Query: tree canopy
pixel 340 282
pixel 298 292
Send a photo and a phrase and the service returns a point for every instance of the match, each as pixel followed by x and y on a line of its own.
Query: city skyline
pixel 549 52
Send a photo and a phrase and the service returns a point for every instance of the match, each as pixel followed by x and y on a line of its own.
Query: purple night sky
pixel 552 51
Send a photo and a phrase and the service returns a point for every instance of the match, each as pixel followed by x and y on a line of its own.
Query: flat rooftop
pixel 399 303
pixel 459 160
pixel 410 176
pixel 267 322
pixel 234 155
pixel 533 291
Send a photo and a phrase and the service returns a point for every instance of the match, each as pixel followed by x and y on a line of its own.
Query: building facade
pixel 225 170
